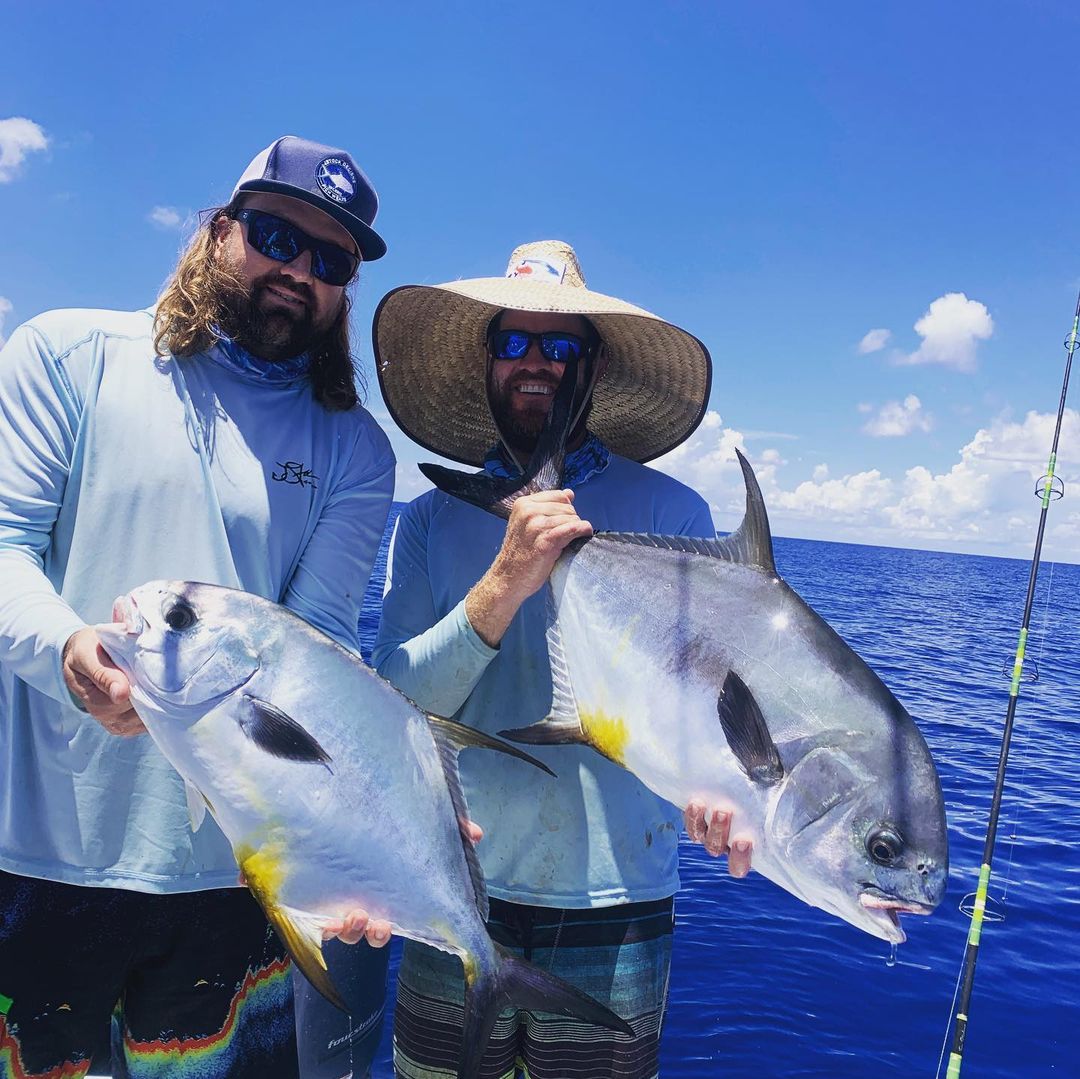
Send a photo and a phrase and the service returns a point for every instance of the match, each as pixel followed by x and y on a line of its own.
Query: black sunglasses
pixel 282 241
pixel 556 346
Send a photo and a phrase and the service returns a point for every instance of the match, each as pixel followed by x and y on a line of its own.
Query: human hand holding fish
pixel 98 685
pixel 539 528
pixel 712 828
pixel 357 925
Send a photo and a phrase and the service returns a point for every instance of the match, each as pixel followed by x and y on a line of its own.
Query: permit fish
pixel 691 663
pixel 335 791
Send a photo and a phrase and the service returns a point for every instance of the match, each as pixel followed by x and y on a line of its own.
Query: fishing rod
pixel 1049 493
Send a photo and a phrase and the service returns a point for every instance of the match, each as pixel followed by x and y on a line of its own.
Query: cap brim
pixel 368 242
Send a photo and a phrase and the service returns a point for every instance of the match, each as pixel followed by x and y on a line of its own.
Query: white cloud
pixel 166 217
pixel 874 341
pixel 983 503
pixel 5 310
pixel 18 137
pixel 897 418
pixel 951 329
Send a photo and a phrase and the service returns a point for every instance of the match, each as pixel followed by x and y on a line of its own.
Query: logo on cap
pixel 336 179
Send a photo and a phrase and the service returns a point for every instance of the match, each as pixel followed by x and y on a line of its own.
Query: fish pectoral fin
pixel 459 736
pixel 301 933
pixel 553 730
pixel 278 734
pixel 196 805
pixel 747 733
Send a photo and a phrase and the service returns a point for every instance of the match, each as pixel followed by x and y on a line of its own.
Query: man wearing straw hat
pixel 581 870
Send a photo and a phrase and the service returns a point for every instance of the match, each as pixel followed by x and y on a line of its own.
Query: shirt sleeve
pixel 699 521
pixel 39 421
pixel 327 588
pixel 434 661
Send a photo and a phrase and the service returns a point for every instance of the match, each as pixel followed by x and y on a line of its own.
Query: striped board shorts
pixel 620 955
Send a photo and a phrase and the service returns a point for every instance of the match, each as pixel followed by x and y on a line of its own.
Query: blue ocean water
pixel 763 986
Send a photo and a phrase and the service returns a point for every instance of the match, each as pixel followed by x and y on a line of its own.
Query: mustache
pixel 299 289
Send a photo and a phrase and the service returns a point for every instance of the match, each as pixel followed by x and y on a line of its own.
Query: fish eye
pixel 180 616
pixel 885 846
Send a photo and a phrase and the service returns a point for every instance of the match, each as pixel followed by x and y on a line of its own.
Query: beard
pixel 520 428
pixel 264 325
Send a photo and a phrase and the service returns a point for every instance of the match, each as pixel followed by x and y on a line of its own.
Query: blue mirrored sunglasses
pixel 282 241
pixel 554 346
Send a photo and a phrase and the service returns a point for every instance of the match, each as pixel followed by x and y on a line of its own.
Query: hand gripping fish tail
pixel 545 470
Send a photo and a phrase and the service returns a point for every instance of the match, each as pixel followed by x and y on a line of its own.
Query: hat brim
pixel 368 242
pixel 430 356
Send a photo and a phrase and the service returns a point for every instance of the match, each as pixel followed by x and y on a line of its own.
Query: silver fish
pixel 691 663
pixel 334 790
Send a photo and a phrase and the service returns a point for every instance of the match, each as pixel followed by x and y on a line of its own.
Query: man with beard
pixel 581 869
pixel 216 438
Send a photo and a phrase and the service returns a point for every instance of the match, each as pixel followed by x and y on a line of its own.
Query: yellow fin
pixel 607 734
pixel 300 932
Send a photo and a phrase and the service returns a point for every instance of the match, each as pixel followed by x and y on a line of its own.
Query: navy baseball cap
pixel 321 176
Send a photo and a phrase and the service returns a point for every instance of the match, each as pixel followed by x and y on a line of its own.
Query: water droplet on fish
pixel 890 960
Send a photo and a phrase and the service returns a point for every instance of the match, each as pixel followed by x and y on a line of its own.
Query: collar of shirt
pixel 588 460
pixel 237 359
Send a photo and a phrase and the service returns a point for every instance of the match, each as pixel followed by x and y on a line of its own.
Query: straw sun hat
pixel 430 353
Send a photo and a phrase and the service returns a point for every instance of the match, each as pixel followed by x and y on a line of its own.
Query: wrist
pixel 491 605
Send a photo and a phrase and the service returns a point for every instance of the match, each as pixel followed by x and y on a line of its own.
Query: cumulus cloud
pixel 874 341
pixel 983 503
pixel 896 418
pixel 18 137
pixel 5 310
pixel 951 329
pixel 166 217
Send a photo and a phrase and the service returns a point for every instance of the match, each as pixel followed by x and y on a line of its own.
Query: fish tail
pixel 516 983
pixel 497 494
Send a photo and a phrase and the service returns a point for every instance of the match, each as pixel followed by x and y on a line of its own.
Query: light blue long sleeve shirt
pixel 118 467
pixel 594 835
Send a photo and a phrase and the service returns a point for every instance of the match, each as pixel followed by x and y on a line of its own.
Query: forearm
pixel 439 667
pixel 35 624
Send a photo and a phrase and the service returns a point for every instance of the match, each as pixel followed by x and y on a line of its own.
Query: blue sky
pixel 782 179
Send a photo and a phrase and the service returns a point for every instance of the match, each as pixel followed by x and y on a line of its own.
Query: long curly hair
pixel 193 303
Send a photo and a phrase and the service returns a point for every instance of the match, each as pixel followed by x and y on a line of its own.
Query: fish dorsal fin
pixel 747 733
pixel 196 805
pixel 278 734
pixel 750 544
pixel 451 738
pixel 497 494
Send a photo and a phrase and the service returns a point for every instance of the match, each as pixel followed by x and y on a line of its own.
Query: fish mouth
pixel 126 610
pixel 886 910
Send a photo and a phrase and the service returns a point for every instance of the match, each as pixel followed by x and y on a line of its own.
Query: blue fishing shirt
pixel 118 467
pixel 594 835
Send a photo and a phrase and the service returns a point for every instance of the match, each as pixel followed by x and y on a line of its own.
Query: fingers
pixel 712 828
pixel 694 819
pixel 357 926
pixel 472 831
pixel 739 856
pixel 716 835
pixel 99 685
pixel 126 725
